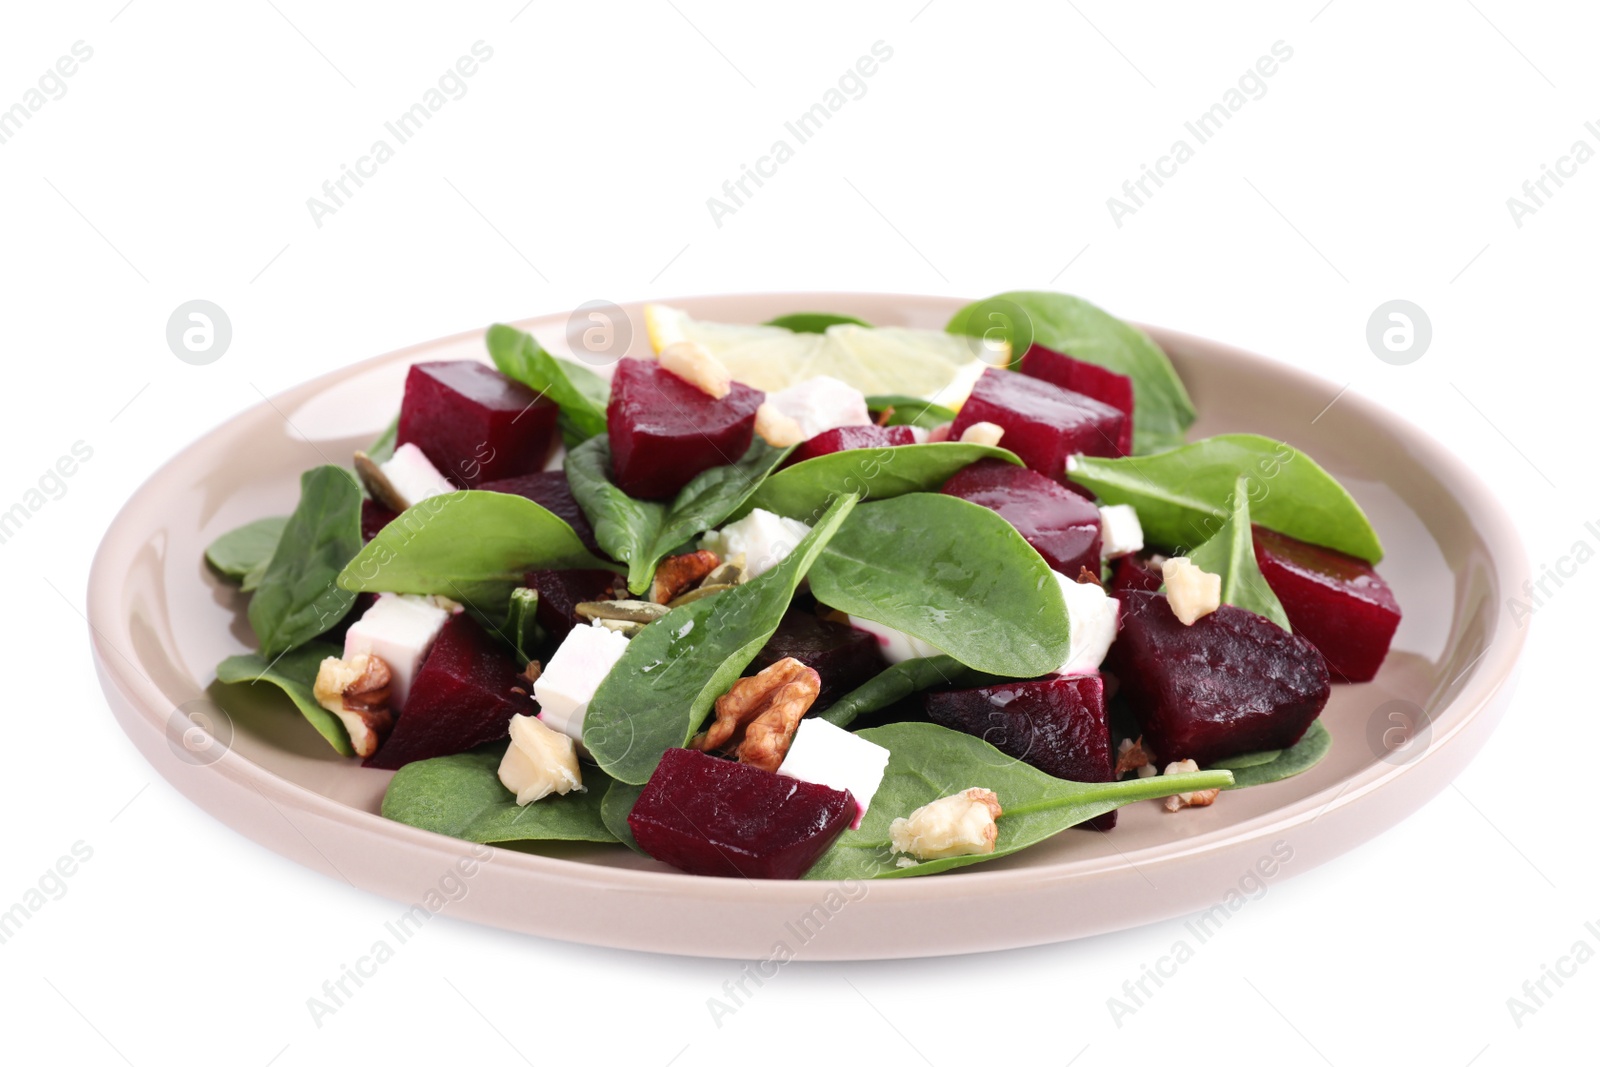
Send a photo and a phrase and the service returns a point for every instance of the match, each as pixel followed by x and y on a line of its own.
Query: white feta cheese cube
pixel 897 647
pixel 573 674
pixel 400 630
pixel 1120 531
pixel 1192 593
pixel 822 403
pixel 1092 618
pixel 763 540
pixel 413 476
pixel 824 754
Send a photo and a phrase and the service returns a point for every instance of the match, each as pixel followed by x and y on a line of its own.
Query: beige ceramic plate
pixel 161 621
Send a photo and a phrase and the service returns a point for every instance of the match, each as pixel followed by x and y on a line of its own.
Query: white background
pixel 577 166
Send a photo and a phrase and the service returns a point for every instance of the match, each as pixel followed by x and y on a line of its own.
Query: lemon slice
pixel 930 364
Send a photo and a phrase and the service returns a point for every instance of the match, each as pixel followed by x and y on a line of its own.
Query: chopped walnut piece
pixel 1200 798
pixel 959 825
pixel 531 672
pixel 357 690
pixel 676 574
pixel 1131 756
pixel 757 718
pixel 694 363
pixel 776 428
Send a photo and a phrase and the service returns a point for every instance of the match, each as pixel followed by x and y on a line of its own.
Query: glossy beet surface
pixel 842 655
pixel 1060 524
pixel 848 437
pixel 474 423
pixel 1056 724
pixel 1335 601
pixel 1232 683
pixel 461 698
pixel 1043 423
pixel 549 489
pixel 1134 572
pixel 1090 379
pixel 664 431
pixel 560 593
pixel 711 816
pixel 374 517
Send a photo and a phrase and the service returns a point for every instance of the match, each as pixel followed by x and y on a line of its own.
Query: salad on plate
pixel 813 598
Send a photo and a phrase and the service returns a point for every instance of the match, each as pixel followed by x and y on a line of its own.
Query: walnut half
pixel 757 718
pixel 678 573
pixel 357 690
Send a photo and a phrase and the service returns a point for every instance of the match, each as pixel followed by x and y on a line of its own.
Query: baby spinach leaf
pixel 805 490
pixel 615 809
pixel 953 573
pixel 814 321
pixel 1183 495
pixel 1162 410
pixel 578 391
pixel 1230 552
pixel 462 796
pixel 472 546
pixel 521 626
pixel 900 681
pixel 294 672
pixel 382 450
pixel 238 552
pixel 297 598
pixel 927 762
pixel 711 496
pixel 1297 759
pixel 674 670
pixel 911 411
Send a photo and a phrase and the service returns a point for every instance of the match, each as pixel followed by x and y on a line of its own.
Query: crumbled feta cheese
pixel 570 679
pixel 763 540
pixel 822 403
pixel 959 825
pixel 413 476
pixel 824 754
pixel 897 647
pixel 400 630
pixel 1120 531
pixel 1092 618
pixel 921 435
pixel 539 761
pixel 1191 592
pixel 983 433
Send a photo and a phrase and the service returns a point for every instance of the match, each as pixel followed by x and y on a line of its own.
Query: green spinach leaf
pixel 238 552
pixel 674 670
pixel 522 628
pixel 1297 759
pixel 462 796
pixel 953 573
pixel 1183 495
pixel 472 546
pixel 1162 410
pixel 294 672
pixel 900 681
pixel 815 321
pixel 578 391
pixel 1230 552
pixel 298 598
pixel 911 411
pixel 805 490
pixel 711 496
pixel 927 762
pixel 616 808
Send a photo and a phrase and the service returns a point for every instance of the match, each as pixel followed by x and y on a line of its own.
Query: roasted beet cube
pixel 1060 524
pixel 1043 423
pixel 842 655
pixel 462 697
pixel 1057 724
pixel 374 517
pixel 1232 683
pixel 711 816
pixel 1335 601
pixel 560 593
pixel 549 489
pixel 664 431
pixel 1090 379
pixel 474 423
pixel 1134 572
pixel 845 438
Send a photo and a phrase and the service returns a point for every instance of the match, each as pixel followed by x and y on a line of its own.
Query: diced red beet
pixel 475 424
pixel 715 817
pixel 1057 724
pixel 664 431
pixel 374 517
pixel 1043 423
pixel 842 655
pixel 845 438
pixel 1060 524
pixel 550 490
pixel 1134 572
pixel 1231 684
pixel 560 593
pixel 1090 379
pixel 1335 601
pixel 461 698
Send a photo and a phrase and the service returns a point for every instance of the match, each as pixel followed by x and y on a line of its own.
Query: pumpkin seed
pixel 639 611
